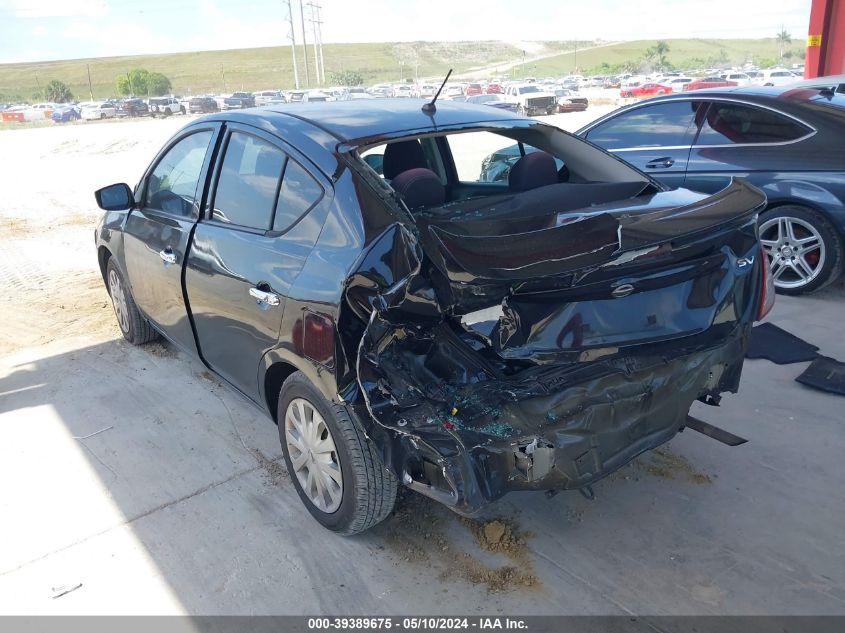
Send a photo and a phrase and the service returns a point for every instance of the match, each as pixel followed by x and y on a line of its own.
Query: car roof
pixel 351 120
pixel 788 94
pixel 317 129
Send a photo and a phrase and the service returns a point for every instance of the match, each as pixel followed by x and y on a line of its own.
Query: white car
pixel 633 81
pixel 359 93
pixel 740 79
pixel 677 83
pixel 403 91
pixel 338 93
pixel 425 91
pixel 39 111
pixel 98 110
pixel 529 99
pixel 777 77
pixel 453 91
pixel 263 97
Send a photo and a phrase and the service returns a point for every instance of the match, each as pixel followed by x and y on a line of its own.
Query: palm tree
pixel 57 92
pixel 783 38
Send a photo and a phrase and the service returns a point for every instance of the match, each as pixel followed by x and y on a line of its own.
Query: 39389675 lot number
pixel 405 624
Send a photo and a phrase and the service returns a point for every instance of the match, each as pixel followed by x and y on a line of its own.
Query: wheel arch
pixel 103 257
pixel 274 377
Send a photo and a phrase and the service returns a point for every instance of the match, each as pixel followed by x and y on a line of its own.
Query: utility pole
pixel 90 90
pixel 304 44
pixel 292 38
pixel 223 74
pixel 313 8
pixel 129 79
pixel 575 69
pixel 320 37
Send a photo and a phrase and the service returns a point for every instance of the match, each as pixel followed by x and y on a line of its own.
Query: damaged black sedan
pixel 404 320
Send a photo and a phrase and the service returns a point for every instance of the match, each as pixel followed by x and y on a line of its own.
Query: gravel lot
pixel 181 504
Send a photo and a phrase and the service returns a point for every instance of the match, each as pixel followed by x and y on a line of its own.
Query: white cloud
pixel 60 8
pixel 118 38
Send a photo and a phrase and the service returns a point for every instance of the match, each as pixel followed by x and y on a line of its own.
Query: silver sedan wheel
pixel 313 455
pixel 795 251
pixel 118 299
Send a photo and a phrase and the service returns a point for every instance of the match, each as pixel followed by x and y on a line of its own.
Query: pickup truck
pixel 239 101
pixel 406 326
pixel 530 100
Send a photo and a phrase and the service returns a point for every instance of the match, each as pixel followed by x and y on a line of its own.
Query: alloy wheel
pixel 118 299
pixel 313 455
pixel 795 251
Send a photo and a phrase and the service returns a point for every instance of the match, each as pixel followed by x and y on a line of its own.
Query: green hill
pixel 256 68
pixel 687 54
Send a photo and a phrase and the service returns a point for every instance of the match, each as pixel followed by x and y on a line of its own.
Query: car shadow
pixel 145 479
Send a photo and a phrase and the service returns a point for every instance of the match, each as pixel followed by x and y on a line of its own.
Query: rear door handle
pixel 264 298
pixel 660 163
pixel 167 255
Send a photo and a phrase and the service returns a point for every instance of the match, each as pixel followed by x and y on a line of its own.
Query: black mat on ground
pixel 826 374
pixel 779 346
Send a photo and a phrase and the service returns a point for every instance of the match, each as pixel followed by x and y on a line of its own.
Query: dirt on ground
pixel 425 533
pixel 661 462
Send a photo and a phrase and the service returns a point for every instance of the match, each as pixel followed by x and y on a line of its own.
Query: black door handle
pixel 660 163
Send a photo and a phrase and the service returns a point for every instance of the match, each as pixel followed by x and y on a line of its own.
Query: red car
pixel 645 90
pixel 473 89
pixel 709 82
pixel 495 89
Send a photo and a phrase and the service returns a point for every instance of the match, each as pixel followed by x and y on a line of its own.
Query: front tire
pixel 803 249
pixel 333 465
pixel 134 327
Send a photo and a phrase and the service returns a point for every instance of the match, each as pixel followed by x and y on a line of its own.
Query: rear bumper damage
pixel 468 446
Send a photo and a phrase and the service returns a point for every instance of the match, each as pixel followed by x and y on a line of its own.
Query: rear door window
pixel 249 182
pixel 299 193
pixel 733 123
pixel 664 124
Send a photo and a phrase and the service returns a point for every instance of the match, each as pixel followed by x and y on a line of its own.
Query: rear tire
pixel 134 327
pixel 802 243
pixel 324 441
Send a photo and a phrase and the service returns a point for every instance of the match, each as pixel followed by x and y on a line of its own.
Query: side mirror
pixel 115 197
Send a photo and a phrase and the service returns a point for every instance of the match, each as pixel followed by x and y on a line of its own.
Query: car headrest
pixel 419 188
pixel 533 170
pixel 402 156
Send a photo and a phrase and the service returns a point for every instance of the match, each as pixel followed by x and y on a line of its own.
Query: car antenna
pixel 430 108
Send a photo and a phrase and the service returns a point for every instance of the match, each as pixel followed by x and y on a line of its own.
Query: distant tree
pixel 158 84
pixel 346 78
pixel 787 54
pixel 140 81
pixel 783 38
pixel 765 62
pixel 656 55
pixel 57 92
pixel 121 85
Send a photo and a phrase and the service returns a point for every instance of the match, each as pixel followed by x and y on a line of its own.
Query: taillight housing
pixel 767 289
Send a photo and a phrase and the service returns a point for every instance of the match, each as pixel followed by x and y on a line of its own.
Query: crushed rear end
pixel 522 349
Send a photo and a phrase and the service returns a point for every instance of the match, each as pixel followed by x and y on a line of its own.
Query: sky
pixel 40 30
